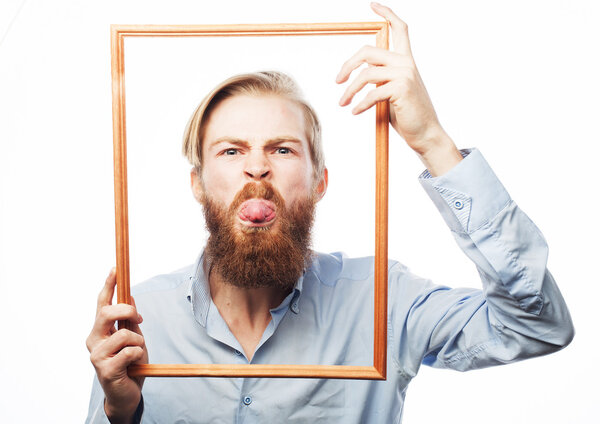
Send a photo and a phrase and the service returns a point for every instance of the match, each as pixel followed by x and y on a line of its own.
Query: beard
pixel 254 257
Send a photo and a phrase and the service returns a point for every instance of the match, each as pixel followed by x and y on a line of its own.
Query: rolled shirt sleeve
pixel 520 312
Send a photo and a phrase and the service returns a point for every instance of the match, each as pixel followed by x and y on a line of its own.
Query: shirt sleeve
pixel 518 314
pixel 96 413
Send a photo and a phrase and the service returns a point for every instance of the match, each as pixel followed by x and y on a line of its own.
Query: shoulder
pixel 163 282
pixel 163 295
pixel 329 268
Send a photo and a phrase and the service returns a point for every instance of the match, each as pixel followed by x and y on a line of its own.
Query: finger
pixel 115 343
pixel 108 291
pixel 135 324
pixel 107 315
pixel 115 367
pixel 398 26
pixel 372 75
pixel 379 94
pixel 372 56
pixel 128 356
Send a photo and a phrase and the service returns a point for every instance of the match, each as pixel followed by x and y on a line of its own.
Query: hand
pixel 411 112
pixel 112 351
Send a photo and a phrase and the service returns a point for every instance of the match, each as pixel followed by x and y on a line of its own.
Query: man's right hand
pixel 112 351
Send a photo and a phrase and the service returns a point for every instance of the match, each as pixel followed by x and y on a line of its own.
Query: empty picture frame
pixel 380 31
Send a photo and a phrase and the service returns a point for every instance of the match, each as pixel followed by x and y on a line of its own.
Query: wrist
pixel 440 154
pixel 120 414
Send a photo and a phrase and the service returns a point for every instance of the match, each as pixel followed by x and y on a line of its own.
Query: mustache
pixel 275 257
pixel 260 190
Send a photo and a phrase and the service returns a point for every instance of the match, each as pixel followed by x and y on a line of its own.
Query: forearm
pixel 520 312
pixel 441 154
pixel 97 413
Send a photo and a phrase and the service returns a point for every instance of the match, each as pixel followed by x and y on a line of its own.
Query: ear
pixel 196 182
pixel 321 188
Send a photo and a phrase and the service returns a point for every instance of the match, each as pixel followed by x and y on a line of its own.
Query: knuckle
pixel 362 77
pixel 94 358
pixel 103 312
pixel 121 336
pixel 132 352
pixel 365 50
pixel 140 341
pixel 131 311
pixel 127 351
pixel 88 343
pixel 402 25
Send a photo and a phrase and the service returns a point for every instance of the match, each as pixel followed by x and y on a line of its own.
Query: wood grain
pixel 380 30
pixel 382 126
pixel 256 371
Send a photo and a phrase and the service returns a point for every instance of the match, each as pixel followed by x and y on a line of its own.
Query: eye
pixel 230 152
pixel 283 150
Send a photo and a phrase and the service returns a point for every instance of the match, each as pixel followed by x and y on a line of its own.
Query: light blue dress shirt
pixel 328 320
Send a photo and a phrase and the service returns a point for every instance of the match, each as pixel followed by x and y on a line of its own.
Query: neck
pixel 245 310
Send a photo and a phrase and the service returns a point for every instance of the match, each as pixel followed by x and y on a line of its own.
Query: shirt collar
pixel 198 293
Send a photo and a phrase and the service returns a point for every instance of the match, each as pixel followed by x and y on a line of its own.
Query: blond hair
pixel 253 84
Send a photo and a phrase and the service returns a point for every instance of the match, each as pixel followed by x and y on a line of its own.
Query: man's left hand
pixel 411 112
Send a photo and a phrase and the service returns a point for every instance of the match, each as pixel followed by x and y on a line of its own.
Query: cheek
pixel 297 183
pixel 219 186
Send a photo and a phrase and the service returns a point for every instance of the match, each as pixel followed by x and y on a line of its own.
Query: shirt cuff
pixel 139 412
pixel 469 195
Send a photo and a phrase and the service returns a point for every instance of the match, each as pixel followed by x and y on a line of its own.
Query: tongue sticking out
pixel 257 211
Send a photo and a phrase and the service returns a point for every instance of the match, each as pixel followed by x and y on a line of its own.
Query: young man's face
pixel 257 191
pixel 256 139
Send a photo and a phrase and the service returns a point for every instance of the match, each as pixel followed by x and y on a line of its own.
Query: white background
pixel 519 80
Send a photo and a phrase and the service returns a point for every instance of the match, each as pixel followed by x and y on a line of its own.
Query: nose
pixel 257 167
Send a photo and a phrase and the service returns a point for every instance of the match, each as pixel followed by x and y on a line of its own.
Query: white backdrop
pixel 519 80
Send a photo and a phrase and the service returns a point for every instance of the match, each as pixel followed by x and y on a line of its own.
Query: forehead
pixel 255 119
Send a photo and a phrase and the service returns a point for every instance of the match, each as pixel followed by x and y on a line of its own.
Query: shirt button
pixel 247 400
pixel 237 352
pixel 458 204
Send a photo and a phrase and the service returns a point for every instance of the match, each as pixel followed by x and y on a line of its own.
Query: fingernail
pixel 140 319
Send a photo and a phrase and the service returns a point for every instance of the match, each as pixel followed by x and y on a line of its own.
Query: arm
pixel 411 112
pixel 520 312
pixel 116 397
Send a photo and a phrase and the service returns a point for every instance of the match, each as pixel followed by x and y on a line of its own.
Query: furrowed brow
pixel 229 140
pixel 279 140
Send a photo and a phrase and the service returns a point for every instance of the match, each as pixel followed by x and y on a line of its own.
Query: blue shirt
pixel 328 320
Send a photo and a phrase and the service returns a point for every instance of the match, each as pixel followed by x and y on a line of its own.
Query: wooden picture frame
pixel 380 30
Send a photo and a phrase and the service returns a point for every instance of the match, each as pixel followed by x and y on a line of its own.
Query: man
pixel 258 294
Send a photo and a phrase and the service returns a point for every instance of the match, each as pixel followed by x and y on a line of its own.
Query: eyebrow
pixel 243 143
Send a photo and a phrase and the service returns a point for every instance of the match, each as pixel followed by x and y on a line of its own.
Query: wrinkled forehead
pixel 255 119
